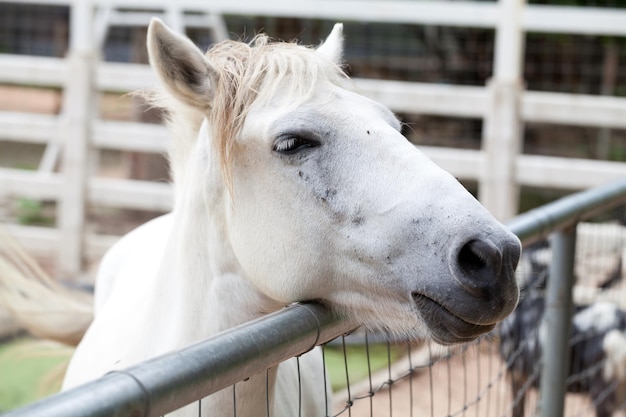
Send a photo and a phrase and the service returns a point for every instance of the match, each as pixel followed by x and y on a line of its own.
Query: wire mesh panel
pixel 39 30
pixel 599 320
pixel 430 380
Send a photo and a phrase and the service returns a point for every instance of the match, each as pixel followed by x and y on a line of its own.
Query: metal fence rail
pixel 539 223
pixel 169 382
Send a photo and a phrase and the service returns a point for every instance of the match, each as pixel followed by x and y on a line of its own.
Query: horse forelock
pixel 245 73
pixel 261 71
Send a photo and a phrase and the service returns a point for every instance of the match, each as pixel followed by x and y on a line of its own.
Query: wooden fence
pixel 503 104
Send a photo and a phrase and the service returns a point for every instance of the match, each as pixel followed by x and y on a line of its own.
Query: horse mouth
pixel 446 327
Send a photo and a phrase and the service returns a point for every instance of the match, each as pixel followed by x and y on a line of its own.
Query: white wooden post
pixel 76 116
pixel 502 128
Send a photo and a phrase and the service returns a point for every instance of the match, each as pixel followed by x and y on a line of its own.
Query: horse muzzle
pixel 482 293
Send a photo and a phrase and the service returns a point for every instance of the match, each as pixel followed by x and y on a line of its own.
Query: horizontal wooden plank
pixel 535 18
pixel 438 99
pixel 574 20
pixel 458 13
pixel 30 184
pixel 29 127
pixel 462 163
pixel 434 99
pixel 130 194
pixel 44 2
pixel 33 70
pixel 567 173
pixel 124 77
pixel 44 241
pixel 130 136
pixel 574 109
pixel 532 170
pixel 469 101
pixel 36 240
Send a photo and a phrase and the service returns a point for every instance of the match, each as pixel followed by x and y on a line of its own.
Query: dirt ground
pixel 469 384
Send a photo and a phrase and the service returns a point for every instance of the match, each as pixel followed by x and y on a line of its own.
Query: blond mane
pixel 246 73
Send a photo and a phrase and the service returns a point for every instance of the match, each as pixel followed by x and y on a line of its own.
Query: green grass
pixel 357 362
pixel 29 370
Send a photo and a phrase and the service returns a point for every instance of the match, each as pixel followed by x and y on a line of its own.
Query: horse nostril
pixel 483 269
pixel 481 263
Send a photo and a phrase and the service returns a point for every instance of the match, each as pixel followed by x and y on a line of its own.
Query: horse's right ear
pixel 332 48
pixel 180 65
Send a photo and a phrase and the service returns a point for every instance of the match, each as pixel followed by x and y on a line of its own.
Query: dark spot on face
pixel 358 220
pixel 368 132
pixel 300 174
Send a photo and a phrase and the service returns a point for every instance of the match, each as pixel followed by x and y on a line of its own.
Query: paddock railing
pixel 166 383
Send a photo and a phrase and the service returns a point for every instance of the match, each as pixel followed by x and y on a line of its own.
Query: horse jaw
pixel 332 48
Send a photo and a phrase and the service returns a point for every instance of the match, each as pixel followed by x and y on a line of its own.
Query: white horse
pixel 291 186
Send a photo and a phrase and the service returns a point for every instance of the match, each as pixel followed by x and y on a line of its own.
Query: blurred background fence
pixel 514 99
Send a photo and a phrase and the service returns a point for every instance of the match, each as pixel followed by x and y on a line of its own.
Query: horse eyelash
pixel 293 143
pixel 285 145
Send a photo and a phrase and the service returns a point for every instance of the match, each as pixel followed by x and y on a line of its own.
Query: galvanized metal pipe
pixel 556 328
pixel 166 383
pixel 538 223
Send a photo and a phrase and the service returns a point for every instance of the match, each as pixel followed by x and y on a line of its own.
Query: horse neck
pixel 209 289
pixel 200 273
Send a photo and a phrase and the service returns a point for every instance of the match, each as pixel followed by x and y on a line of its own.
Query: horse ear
pixel 332 47
pixel 179 65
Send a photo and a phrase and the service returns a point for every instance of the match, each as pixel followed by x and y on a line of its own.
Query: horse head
pixel 321 196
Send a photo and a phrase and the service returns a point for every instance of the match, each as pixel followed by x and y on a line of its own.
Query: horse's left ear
pixel 180 65
pixel 332 47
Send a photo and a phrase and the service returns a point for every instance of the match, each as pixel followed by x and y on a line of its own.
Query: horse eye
pixel 294 144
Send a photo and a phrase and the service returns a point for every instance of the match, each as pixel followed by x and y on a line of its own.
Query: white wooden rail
pixel 503 105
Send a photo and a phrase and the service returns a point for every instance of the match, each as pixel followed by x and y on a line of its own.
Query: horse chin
pixel 446 327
